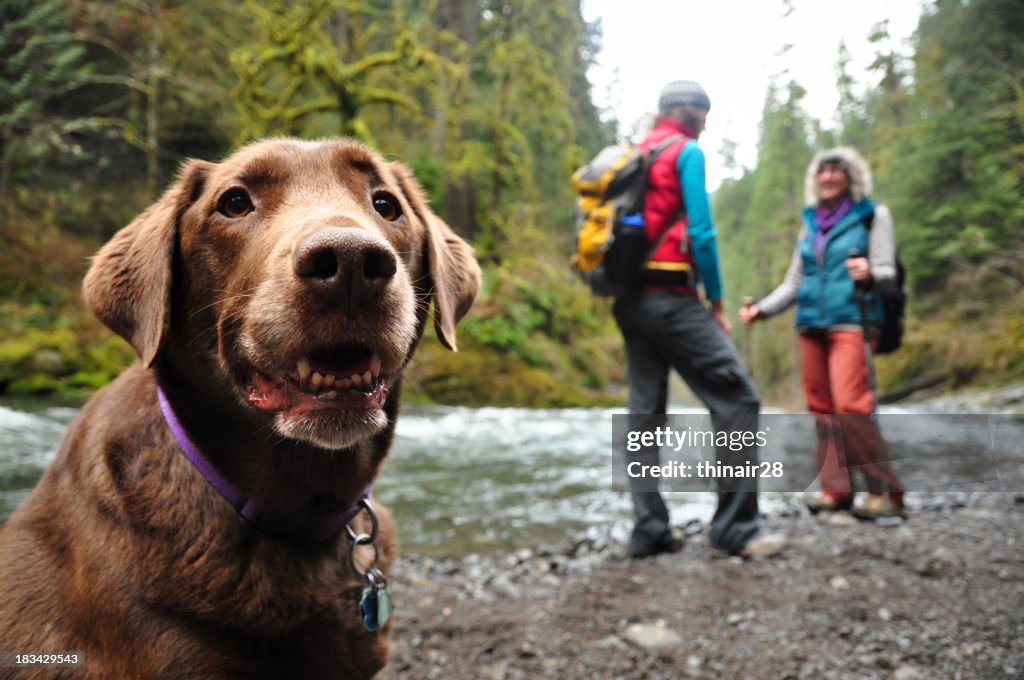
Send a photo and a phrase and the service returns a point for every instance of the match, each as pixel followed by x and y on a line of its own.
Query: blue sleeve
pixel 702 227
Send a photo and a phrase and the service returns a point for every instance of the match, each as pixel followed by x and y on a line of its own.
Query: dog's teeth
pixel 357 380
pixel 367 378
pixel 330 395
pixel 328 381
pixel 375 365
pixel 303 369
pixel 345 384
pixel 317 380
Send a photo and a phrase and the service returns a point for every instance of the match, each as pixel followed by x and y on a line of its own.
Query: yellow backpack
pixel 611 243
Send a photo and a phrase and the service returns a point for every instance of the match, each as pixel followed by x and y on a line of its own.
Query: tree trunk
pixel 5 175
pixel 463 18
pixel 152 112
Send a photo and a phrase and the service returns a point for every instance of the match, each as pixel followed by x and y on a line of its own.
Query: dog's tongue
pixel 265 395
pixel 285 397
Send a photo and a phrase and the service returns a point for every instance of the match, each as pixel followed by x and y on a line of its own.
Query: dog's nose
pixel 342 264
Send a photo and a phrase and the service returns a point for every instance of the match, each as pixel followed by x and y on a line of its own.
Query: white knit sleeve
pixel 780 299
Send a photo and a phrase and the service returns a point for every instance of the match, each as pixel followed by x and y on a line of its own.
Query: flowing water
pixel 463 480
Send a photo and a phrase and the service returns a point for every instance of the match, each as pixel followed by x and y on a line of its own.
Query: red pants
pixel 835 379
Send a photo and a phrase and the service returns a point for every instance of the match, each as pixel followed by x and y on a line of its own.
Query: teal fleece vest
pixel 826 296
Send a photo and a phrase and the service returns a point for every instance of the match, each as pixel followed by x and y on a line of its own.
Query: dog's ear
pixel 128 286
pixel 454 272
pixel 456 277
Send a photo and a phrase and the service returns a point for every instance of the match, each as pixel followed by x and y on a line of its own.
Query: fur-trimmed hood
pixel 857 168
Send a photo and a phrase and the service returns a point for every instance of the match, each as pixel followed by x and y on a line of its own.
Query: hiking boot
pixel 829 502
pixel 878 506
pixel 668 544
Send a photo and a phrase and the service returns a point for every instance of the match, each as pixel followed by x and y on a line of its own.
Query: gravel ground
pixel 941 596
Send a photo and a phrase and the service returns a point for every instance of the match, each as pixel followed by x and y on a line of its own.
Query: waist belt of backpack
pixel 666 273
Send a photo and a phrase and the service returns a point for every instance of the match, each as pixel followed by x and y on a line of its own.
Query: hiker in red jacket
pixel 665 324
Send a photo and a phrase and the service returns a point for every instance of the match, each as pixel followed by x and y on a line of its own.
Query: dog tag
pixel 368 607
pixel 384 607
pixel 375 603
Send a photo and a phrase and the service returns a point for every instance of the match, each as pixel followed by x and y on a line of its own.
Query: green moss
pixel 15 357
pixel 482 376
pixel 67 351
pixel 34 383
pixel 53 352
pixel 988 351
pixel 86 381
pixel 108 356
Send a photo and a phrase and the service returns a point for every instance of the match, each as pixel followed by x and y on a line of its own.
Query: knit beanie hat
pixel 683 92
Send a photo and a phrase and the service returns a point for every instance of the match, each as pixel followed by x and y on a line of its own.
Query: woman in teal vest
pixel 822 280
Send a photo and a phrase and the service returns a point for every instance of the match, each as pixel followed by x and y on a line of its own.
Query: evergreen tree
pixel 958 175
pixel 40 61
pixel 759 217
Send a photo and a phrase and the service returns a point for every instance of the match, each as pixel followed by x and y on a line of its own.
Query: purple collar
pixel 306 525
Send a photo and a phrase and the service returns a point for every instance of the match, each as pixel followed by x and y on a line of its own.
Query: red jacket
pixel 663 209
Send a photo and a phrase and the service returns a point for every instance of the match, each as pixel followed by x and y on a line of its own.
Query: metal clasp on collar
pixel 375 603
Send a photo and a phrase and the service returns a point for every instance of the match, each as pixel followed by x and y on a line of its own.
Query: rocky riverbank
pixel 940 596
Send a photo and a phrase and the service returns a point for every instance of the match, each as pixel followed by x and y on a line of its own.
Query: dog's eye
pixel 387 206
pixel 234 203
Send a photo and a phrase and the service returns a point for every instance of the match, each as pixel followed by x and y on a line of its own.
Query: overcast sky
pixel 734 48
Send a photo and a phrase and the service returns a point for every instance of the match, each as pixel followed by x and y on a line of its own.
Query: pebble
pixel 611 641
pixel 738 617
pixel 503 586
pixel 496 671
pixel 842 519
pixel 941 562
pixel 839 583
pixel 907 673
pixel 693 527
pixel 651 637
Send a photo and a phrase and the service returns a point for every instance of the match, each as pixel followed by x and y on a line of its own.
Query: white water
pixel 465 480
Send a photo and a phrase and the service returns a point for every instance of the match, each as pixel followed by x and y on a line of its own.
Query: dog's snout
pixel 342 264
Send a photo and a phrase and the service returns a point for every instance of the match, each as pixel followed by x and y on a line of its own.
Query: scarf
pixel 824 220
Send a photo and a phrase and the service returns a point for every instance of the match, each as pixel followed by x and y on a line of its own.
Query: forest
pixel 489 103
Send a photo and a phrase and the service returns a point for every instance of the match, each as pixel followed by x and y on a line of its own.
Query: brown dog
pixel 275 299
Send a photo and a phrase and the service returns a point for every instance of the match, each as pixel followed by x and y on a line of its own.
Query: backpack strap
pixel 652 155
pixel 655 151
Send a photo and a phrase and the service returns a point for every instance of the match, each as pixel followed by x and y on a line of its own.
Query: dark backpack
pixel 894 307
pixel 611 242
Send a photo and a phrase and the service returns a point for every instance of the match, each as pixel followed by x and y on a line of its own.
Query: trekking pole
pixel 748 337
pixel 859 289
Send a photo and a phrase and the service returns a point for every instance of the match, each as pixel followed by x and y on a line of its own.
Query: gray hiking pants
pixel 664 330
